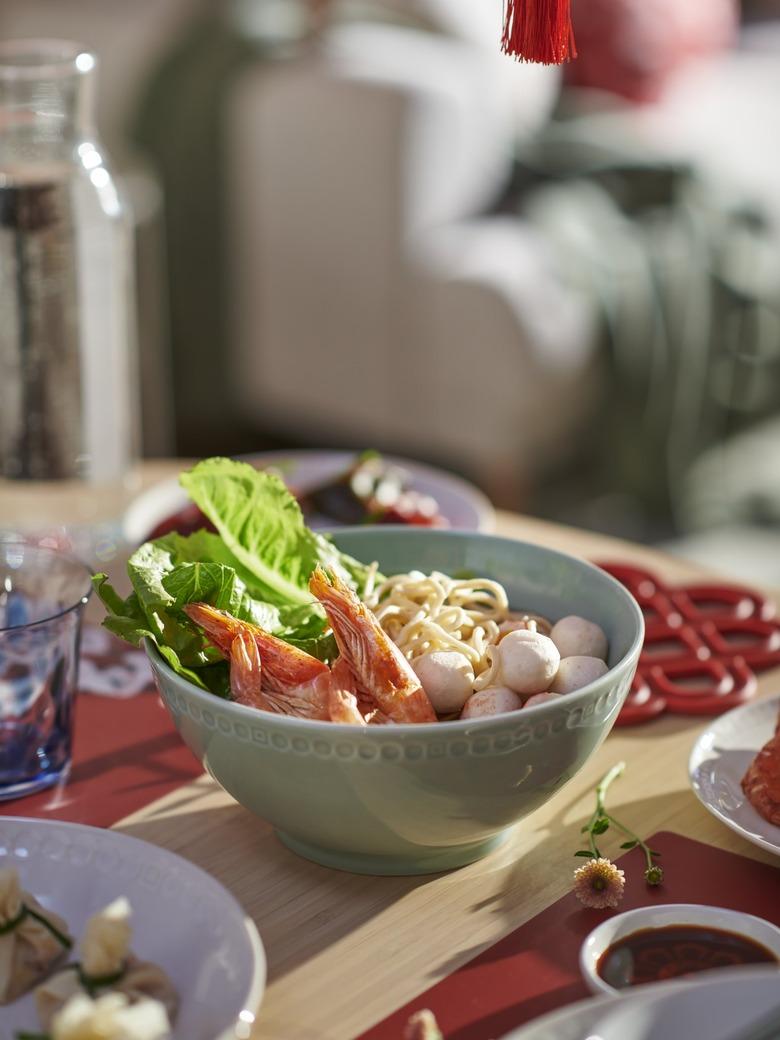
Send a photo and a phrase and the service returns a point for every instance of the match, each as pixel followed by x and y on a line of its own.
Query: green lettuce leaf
pixel 127 620
pixel 262 526
pixel 149 568
pixel 257 567
pixel 207 547
pixel 307 628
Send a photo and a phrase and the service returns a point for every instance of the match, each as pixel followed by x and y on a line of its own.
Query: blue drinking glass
pixel 42 598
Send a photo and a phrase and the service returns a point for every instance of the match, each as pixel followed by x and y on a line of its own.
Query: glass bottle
pixel 68 379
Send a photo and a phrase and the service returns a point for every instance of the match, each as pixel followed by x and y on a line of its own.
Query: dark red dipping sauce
pixel 655 954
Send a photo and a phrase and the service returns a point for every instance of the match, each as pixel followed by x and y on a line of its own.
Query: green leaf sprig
pixel 601 821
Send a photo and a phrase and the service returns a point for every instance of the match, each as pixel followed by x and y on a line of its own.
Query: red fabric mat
pixel 535 969
pixel 126 752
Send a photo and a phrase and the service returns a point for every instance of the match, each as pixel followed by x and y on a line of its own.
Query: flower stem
pixel 603 787
pixel 592 843
pixel 601 821
pixel 634 837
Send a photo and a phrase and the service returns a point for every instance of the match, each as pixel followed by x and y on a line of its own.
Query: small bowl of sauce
pixel 661 943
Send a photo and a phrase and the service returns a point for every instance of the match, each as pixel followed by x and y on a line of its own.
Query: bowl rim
pixel 598 940
pixel 455 726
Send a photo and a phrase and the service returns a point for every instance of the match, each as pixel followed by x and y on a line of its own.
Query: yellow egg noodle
pixel 427 612
pixel 489 676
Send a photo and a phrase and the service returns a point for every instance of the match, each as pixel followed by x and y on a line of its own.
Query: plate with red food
pixel 334 489
pixel 734 770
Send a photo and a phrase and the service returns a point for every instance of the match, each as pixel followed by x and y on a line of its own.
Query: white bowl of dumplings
pixel 98 986
pixel 195 969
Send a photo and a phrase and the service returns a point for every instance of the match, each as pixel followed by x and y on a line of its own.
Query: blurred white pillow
pixel 461 125
pixel 529 91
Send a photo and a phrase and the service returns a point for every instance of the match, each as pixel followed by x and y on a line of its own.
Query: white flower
pixel 599 884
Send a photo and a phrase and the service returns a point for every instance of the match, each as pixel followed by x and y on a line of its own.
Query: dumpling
pixel 105 945
pixel 107 964
pixel 110 1017
pixel 32 940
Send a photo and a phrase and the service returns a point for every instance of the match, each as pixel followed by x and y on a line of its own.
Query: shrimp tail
pixel 246 672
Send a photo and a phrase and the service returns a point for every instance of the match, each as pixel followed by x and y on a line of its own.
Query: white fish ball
pixel 493 700
pixel 577 637
pixel 576 672
pixel 527 661
pixel 447 677
pixel 540 698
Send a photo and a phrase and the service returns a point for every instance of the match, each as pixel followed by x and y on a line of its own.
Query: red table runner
pixel 535 969
pixel 126 751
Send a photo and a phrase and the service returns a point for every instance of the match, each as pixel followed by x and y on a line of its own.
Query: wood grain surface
pixel 345 950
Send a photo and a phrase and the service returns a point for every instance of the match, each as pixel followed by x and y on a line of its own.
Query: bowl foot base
pixel 425 860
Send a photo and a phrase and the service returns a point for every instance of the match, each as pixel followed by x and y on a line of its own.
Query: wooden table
pixel 345 950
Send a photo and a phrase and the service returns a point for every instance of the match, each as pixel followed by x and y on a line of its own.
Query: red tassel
pixel 539 31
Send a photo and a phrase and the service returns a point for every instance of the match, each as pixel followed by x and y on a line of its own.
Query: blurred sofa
pixel 379 296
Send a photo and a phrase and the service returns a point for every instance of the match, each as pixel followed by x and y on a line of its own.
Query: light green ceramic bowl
pixel 417 799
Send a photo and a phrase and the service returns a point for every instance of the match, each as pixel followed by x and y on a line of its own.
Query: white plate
pixel 719 760
pixel 460 503
pixel 182 919
pixel 718 1006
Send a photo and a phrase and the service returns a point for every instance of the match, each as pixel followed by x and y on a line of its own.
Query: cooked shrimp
pixel 246 671
pixel 377 718
pixel 284 665
pixel 274 676
pixel 343 676
pixel 366 704
pixel 381 671
pixel 311 700
pixel 343 706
